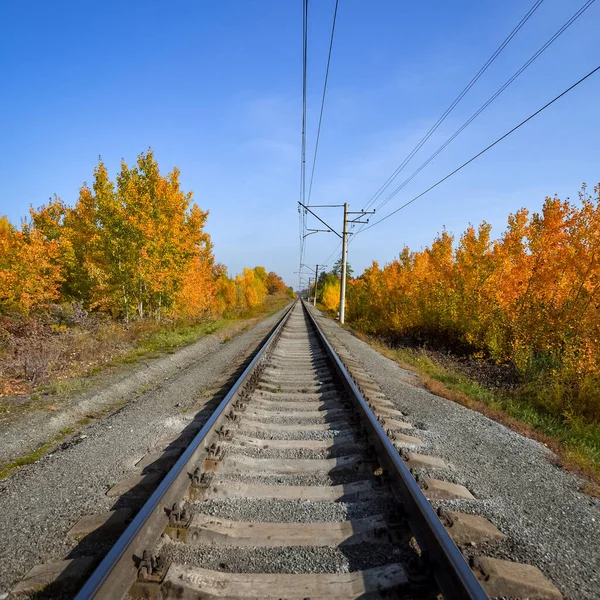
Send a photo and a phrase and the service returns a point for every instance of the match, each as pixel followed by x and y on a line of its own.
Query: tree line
pixel 530 298
pixel 133 248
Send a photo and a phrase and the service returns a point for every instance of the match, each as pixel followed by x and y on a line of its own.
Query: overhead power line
pixel 334 253
pixel 312 175
pixel 303 206
pixel 537 112
pixel 338 250
pixel 536 55
pixel 302 214
pixel 453 105
pixel 304 70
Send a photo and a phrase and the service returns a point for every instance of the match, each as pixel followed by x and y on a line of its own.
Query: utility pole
pixel 344 238
pixel 344 257
pixel 345 234
pixel 316 280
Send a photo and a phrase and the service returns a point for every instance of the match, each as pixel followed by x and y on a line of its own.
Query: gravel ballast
pixel 40 502
pixel 313 434
pixel 291 559
pixel 289 511
pixel 333 452
pixel 335 478
pixel 548 520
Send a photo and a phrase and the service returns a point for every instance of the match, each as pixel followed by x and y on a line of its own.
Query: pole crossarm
pixel 360 213
pixel 315 270
pixel 319 218
pixel 344 237
pixel 311 231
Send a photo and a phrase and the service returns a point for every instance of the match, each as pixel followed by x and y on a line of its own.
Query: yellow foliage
pixel 252 287
pixel 331 295
pixel 29 276
pixel 531 297
pixel 134 248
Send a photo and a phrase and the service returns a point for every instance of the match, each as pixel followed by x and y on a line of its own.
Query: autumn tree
pixel 530 297
pixel 274 283
pixel 226 295
pixel 30 278
pixel 252 288
pixel 330 295
pixel 135 247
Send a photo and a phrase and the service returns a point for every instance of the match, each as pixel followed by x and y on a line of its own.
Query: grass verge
pixel 69 372
pixel 165 340
pixel 32 457
pixel 174 336
pixel 575 443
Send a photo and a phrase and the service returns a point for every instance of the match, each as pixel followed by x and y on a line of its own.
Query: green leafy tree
pixel 337 269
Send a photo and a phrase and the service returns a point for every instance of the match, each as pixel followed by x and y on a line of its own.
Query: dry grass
pixel 567 458
pixel 31 353
pixel 47 354
pixel 575 446
pixel 35 354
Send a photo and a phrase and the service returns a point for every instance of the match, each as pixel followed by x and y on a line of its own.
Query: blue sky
pixel 215 89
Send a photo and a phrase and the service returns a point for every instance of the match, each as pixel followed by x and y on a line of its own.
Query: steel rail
pixel 454 577
pixel 114 576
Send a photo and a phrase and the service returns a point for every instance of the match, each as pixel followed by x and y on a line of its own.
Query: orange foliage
pixel 531 297
pixel 199 286
pixel 134 248
pixel 274 283
pixel 29 277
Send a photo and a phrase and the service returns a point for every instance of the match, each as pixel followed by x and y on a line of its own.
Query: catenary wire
pixel 489 101
pixel 337 249
pixel 473 158
pixel 314 162
pixel 536 55
pixel 562 29
pixel 302 214
pixel 453 105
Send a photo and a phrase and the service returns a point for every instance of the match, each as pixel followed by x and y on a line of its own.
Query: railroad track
pixel 300 485
pixel 287 492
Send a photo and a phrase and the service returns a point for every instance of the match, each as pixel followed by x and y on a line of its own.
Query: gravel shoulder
pixel 547 519
pixel 40 502
pixel 106 392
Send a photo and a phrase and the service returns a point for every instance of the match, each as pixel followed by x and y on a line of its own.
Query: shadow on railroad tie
pixel 384 550
pixel 412 578
pixel 339 419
